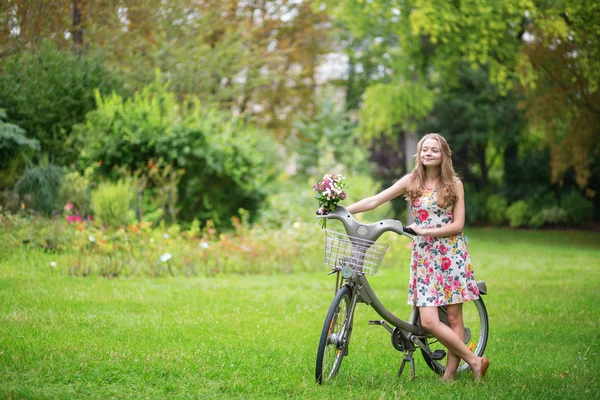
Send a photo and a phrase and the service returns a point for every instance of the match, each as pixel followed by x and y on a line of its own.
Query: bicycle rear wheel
pixel 335 336
pixel 476 330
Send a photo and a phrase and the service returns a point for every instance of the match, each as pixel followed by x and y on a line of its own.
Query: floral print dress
pixel 441 271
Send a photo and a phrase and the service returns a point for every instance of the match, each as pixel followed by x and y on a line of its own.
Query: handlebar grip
pixel 409 230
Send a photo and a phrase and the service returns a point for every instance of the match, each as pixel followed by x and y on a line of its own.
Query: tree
pixel 514 41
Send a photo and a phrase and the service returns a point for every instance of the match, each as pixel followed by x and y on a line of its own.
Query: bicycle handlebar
pixel 372 232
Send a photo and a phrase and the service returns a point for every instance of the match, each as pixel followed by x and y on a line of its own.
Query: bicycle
pixel 354 255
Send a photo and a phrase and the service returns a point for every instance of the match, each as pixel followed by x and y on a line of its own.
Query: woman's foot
pixel 449 376
pixel 480 370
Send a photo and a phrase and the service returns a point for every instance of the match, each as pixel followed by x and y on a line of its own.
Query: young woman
pixel 441 271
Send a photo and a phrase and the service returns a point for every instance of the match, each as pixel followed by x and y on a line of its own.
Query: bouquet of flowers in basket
pixel 330 191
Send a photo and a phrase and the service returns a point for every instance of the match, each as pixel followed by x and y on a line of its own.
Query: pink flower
pixel 69 207
pixel 78 218
pixel 446 263
pixel 443 250
pixel 70 218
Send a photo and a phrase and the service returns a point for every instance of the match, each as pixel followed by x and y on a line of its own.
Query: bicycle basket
pixel 360 254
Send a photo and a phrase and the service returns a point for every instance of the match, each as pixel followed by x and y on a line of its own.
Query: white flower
pixel 166 257
pixel 297 225
pixel 92 239
pixel 53 264
pixel 166 235
pixel 151 240
pixel 204 245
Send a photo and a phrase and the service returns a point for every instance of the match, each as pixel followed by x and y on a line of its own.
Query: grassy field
pixel 255 336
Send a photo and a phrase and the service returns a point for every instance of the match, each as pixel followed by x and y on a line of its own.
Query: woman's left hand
pixel 418 229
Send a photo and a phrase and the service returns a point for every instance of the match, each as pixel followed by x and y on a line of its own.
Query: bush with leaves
pixel 227 162
pixel 111 202
pixel 43 182
pixel 496 206
pixel 518 214
pixel 549 216
pixel 13 143
pixel 47 91
pixel 579 209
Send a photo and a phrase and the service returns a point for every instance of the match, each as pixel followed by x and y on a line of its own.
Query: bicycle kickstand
pixel 408 357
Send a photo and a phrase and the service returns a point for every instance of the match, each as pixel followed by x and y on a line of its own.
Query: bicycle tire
pixel 335 336
pixel 476 320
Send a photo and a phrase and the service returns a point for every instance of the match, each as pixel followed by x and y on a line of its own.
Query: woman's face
pixel 431 153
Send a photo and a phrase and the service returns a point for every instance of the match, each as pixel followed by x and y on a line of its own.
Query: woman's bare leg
pixel 431 322
pixel 455 321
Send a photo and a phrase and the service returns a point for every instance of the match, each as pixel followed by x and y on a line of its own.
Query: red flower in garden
pixel 423 215
pixel 446 263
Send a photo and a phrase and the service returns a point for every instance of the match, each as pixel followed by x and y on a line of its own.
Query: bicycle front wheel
pixel 335 336
pixel 476 334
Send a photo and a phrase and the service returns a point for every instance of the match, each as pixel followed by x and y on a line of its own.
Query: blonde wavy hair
pixel 446 193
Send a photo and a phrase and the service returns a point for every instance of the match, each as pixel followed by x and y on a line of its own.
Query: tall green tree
pixel 518 42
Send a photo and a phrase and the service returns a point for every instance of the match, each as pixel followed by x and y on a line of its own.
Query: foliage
pixel 549 216
pixel 13 143
pixel 547 49
pixel 43 181
pixel 327 141
pixel 496 206
pixel 67 83
pixel 226 162
pixel 579 209
pixel 398 103
pixel 111 203
pixel 519 214
pixel 475 204
pixel 75 189
pixel 362 186
pixel 258 58
pixel 479 123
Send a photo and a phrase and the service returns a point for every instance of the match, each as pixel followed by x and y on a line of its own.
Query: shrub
pixel 549 216
pixel 519 214
pixel 76 190
pixel 475 204
pixel 111 201
pixel 47 91
pixel 43 182
pixel 13 143
pixel 227 163
pixel 579 209
pixel 496 206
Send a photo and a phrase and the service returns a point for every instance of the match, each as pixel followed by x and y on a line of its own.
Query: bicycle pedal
pixel 438 354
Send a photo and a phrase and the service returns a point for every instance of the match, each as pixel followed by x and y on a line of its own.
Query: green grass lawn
pixel 256 336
